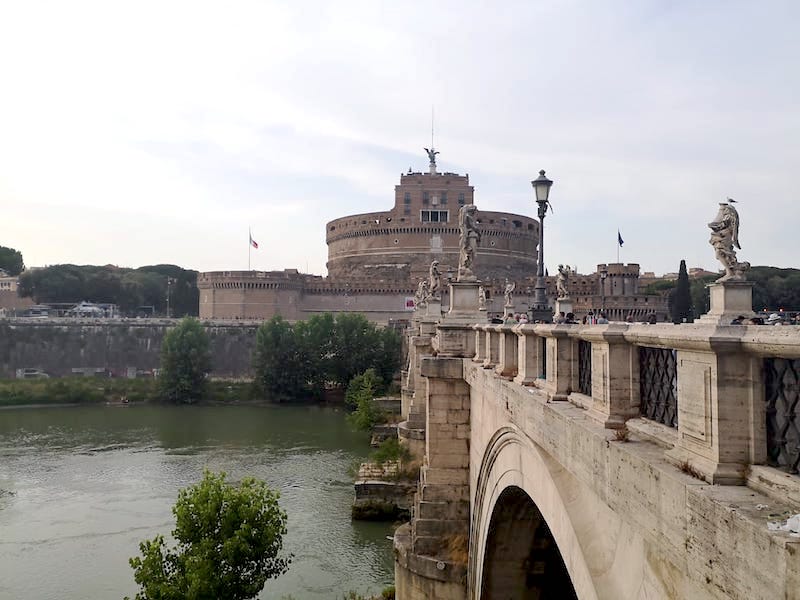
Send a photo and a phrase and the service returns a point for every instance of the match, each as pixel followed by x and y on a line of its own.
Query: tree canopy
pixel 130 289
pixel 681 298
pixel 300 360
pixel 185 362
pixel 775 288
pixel 229 542
pixel 11 261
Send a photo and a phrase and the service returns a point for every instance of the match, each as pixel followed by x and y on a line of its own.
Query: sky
pixel 136 133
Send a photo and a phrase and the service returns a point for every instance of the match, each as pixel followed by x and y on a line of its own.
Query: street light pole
pixel 603 275
pixel 541 185
pixel 169 286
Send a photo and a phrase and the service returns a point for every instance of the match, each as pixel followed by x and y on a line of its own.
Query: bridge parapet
pixel 714 395
pixel 701 403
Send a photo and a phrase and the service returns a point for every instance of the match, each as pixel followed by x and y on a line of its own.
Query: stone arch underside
pixel 522 560
pixel 603 555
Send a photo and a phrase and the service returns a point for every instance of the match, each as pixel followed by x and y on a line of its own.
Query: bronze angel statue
pixel 725 240
pixel 431 155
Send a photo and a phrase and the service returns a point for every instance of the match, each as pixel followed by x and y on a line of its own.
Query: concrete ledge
pixel 404 431
pixel 775 483
pixel 442 367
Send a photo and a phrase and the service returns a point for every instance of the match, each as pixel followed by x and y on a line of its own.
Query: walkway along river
pixel 80 487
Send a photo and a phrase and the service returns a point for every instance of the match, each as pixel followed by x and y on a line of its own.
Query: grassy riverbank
pixel 94 390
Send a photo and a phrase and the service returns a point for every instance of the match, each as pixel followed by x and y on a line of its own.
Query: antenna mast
pixel 432 127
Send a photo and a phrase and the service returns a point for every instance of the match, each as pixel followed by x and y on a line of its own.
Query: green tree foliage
pixel 229 542
pixel 359 345
pixel 681 298
pixel 185 362
pixel 701 302
pixel 295 361
pixel 774 289
pixel 130 289
pixel 281 362
pixel 11 261
pixel 367 382
pixel 360 394
pixel 316 340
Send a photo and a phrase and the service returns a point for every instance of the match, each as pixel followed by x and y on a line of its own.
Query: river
pixel 80 487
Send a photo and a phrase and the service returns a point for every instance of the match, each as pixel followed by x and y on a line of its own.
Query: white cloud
pixel 157 132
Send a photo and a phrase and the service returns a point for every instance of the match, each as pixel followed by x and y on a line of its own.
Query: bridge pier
pixel 432 550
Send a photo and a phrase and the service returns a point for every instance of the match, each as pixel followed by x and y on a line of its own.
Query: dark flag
pixel 619 238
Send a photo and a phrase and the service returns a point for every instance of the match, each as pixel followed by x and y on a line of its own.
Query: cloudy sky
pixel 142 132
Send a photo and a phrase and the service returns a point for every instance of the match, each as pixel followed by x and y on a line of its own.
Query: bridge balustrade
pixel 585 367
pixel 729 396
pixel 658 378
pixel 782 395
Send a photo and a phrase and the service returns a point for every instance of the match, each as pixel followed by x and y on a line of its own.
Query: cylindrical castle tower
pixel 399 244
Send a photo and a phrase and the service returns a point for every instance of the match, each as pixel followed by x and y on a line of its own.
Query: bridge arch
pixel 505 490
pixel 522 559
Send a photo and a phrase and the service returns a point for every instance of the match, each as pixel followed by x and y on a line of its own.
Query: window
pixel 434 216
pixel 425 198
pixel 443 198
pixel 461 198
pixel 407 198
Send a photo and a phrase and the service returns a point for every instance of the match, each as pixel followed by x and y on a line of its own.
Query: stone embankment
pixel 381 494
pixel 120 348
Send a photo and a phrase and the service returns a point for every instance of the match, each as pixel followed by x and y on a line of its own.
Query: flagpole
pixel 249 246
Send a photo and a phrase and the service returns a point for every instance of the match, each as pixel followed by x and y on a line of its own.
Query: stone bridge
pixel 601 461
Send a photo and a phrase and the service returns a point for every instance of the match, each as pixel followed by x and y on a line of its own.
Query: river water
pixel 80 487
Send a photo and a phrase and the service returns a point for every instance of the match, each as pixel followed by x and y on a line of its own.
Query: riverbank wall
pixel 118 348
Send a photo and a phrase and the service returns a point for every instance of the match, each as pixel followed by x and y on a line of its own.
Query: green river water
pixel 80 487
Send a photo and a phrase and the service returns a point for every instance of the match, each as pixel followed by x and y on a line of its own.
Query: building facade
pixel 376 261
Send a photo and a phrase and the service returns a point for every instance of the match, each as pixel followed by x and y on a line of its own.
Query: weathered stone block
pixel 442 367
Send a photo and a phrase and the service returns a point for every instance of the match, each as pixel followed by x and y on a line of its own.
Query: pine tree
pixel 681 297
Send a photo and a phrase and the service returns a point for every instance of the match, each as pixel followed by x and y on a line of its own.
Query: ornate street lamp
pixel 541 186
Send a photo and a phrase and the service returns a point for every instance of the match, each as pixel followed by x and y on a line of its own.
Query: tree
pixel 368 382
pixel 280 362
pixel 127 288
pixel 11 261
pixel 229 542
pixel 681 297
pixel 357 345
pixel 315 338
pixel 360 393
pixel 185 362
pixel 301 360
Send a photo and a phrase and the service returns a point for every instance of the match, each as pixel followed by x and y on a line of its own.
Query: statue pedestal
pixel 564 305
pixel 434 310
pixel 464 302
pixel 541 314
pixel 454 335
pixel 509 310
pixel 729 300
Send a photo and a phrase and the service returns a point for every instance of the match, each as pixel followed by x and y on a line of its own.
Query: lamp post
pixel 541 186
pixel 603 275
pixel 169 288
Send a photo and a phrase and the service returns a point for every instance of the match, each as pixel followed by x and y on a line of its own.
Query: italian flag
pixel 253 243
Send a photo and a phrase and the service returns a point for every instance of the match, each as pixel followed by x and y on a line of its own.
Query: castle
pixel 375 261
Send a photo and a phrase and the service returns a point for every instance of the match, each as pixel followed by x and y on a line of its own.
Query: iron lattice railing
pixel 782 388
pixel 658 381
pixel 585 367
pixel 543 362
